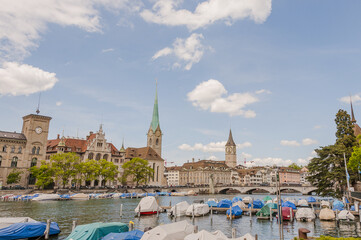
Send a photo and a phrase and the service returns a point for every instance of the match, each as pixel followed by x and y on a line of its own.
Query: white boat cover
pixel 305 214
pixel 247 200
pixel 302 202
pixel 239 204
pixel 178 194
pixel 325 204
pixel 80 196
pixel 246 237
pixel 46 197
pixel 172 231
pixel 7 221
pixel 191 193
pixel 346 215
pixel 327 214
pixel 205 235
pixel 147 204
pixel 213 199
pixel 200 209
pixel 275 200
pixel 181 209
pixel 117 195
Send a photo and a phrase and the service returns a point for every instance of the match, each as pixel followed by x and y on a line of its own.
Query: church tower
pixel 231 152
pixel 356 127
pixel 154 136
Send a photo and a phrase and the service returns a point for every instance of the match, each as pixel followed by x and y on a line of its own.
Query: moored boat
pixel 235 212
pixel 46 197
pixel 305 214
pixel 147 206
pixel 197 209
pixel 96 231
pixel 327 214
pixel 179 209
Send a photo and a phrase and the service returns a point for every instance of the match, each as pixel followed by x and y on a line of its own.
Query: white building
pixel 172 175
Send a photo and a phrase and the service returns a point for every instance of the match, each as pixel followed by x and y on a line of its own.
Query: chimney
pixel 192 160
pixel 58 136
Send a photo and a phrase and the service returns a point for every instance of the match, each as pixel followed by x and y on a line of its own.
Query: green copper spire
pixel 155 120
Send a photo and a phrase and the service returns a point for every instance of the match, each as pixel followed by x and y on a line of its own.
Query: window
pixel 13 149
pixel 97 157
pixel 33 162
pixel 4 148
pixel 38 151
pixel 1 158
pixel 91 156
pixel 33 150
pixel 32 179
pixel 99 144
pixel 157 142
pixel 116 160
pixel 14 162
pixel 105 157
pixel 150 142
pixel 20 149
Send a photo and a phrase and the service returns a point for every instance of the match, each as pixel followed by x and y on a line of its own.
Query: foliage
pixel 138 169
pixel 43 174
pixel 14 177
pixel 108 170
pixel 295 166
pixel 65 166
pixel 334 238
pixel 327 170
pixel 90 170
pixel 355 159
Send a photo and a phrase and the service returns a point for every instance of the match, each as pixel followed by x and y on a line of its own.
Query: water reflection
pixel 107 210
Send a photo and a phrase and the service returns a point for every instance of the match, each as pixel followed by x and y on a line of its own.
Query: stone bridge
pixel 305 190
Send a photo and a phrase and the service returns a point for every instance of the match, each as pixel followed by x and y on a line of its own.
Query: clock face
pixel 38 130
pixel 228 150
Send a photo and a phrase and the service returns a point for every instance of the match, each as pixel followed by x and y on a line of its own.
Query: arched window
pixel 150 142
pixel 154 170
pixel 157 172
pixel 13 149
pixel 1 158
pixel 33 150
pixel 4 148
pixel 14 162
pixel 98 157
pixel 20 149
pixel 105 157
pixel 33 162
pixel 91 156
pixel 157 142
pixel 38 150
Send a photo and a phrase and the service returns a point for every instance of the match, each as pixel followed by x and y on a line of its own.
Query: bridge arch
pixel 288 189
pixel 263 190
pixel 225 190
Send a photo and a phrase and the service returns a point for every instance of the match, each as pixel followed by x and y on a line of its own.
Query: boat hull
pixel 148 213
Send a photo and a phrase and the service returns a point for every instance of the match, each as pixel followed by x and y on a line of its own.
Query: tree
pixel 90 170
pixel 43 174
pixel 327 170
pixel 65 166
pixel 108 170
pixel 355 160
pixel 138 169
pixel 295 166
pixel 14 177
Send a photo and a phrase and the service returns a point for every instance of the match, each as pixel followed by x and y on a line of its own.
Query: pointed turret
pixel 122 149
pixel 230 141
pixel 353 120
pixel 155 119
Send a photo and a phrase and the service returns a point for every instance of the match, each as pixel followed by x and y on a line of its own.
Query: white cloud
pixel 263 91
pixel 59 103
pixel 208 95
pixel 214 158
pixel 269 161
pixel 289 143
pixel 167 12
pixel 309 141
pixel 317 127
pixel 22 79
pixel 211 147
pixel 108 50
pixel 23 22
pixel 245 156
pixel 355 99
pixel 186 51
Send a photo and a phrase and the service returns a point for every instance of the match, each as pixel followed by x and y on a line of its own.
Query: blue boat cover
pixel 347 201
pixel 96 231
pixel 256 204
pixel 337 205
pixel 236 211
pixel 211 203
pixel 311 199
pixel 236 199
pixel 27 230
pixel 132 235
pixel 224 203
pixel 289 204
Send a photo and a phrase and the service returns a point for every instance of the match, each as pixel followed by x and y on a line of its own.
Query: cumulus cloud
pixel 211 147
pixel 186 51
pixel 58 103
pixel 270 161
pixel 214 158
pixel 211 95
pixel 22 79
pixel 168 12
pixel 305 142
pixel 355 99
pixel 23 22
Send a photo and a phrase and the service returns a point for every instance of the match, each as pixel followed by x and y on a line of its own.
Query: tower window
pixel 38 150
pixel 14 162
pixel 33 151
pixel 157 142
pixel 1 158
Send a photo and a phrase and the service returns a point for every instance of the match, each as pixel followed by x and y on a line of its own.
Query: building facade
pixel 21 151
pixel 289 176
pixel 172 176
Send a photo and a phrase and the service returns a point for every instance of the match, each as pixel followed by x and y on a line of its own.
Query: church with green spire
pixel 154 136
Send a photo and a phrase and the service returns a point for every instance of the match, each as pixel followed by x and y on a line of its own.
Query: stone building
pixel 289 175
pixel 204 171
pixel 231 152
pixel 172 175
pixel 23 150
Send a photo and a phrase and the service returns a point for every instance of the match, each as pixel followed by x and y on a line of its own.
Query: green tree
pixel 90 170
pixel 43 174
pixel 295 166
pixel 108 170
pixel 327 169
pixel 65 166
pixel 355 160
pixel 14 177
pixel 138 169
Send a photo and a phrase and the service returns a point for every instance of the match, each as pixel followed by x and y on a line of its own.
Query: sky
pixel 275 72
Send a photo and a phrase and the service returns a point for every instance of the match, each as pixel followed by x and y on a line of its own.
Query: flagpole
pixel 347 175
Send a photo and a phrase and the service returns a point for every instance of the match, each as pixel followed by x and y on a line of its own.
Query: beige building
pixel 204 172
pixel 23 150
pixel 289 175
pixel 172 176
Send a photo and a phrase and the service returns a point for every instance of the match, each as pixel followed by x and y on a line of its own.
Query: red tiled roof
pixel 76 145
pixel 146 153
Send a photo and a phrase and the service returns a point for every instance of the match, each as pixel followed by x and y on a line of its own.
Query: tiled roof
pixel 76 145
pixel 12 135
pixel 147 153
pixel 357 129
pixel 174 168
pixel 230 141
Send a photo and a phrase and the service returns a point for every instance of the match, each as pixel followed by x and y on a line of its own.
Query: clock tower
pixel 231 151
pixel 154 136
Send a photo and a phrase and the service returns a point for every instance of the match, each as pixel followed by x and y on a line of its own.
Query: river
pixel 107 210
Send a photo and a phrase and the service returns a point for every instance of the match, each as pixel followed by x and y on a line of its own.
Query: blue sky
pixel 276 72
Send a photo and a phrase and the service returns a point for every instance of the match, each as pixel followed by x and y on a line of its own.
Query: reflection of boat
pixel 197 209
pixel 305 214
pixel 236 212
pixel 172 231
pixel 46 197
pixel 179 209
pixel 21 228
pixel 95 231
pixel 147 206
